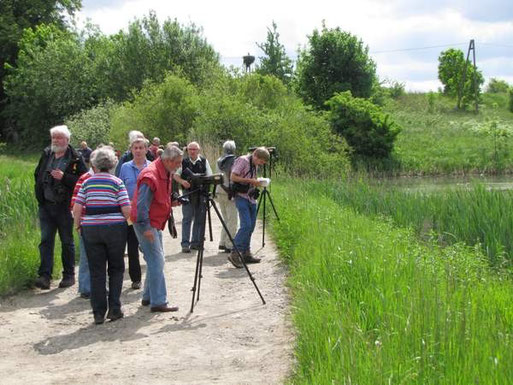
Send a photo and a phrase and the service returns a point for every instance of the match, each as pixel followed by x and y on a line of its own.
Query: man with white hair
pixel 58 170
pixel 128 156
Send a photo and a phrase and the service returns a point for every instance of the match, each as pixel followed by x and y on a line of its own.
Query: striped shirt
pixel 102 195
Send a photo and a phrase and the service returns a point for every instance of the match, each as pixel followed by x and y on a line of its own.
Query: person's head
pixel 105 160
pixel 139 147
pixel 229 147
pixel 60 138
pixel 193 149
pixel 156 141
pixel 83 144
pixel 260 156
pixel 172 158
pixel 160 151
pixel 176 144
pixel 134 134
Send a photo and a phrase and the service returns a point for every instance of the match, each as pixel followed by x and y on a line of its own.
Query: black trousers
pixel 105 245
pixel 53 218
pixel 134 266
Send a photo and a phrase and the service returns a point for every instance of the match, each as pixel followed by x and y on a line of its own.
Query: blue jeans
pixel 191 212
pixel 247 218
pixel 53 218
pixel 84 278
pixel 155 283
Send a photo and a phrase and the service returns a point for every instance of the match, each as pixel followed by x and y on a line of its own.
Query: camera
pixel 177 197
pixel 271 150
pixel 254 194
pixel 203 180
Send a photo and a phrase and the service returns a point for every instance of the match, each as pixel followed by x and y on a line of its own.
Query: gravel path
pixel 48 337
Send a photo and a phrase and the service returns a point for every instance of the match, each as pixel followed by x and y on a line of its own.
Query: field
pixel 19 230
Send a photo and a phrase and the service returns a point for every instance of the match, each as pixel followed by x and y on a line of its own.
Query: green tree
pixel 335 61
pixel 451 64
pixel 15 16
pixel 367 129
pixel 275 62
pixel 51 80
pixel 496 86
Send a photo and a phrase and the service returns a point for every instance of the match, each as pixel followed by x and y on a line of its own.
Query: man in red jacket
pixel 151 207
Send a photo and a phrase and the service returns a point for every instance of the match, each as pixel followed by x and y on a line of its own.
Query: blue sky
pixel 396 31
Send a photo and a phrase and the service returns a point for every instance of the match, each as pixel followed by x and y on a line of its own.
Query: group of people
pixel 129 208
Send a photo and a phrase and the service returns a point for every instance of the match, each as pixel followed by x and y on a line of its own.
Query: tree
pixel 451 64
pixel 15 16
pixel 52 79
pixel 275 62
pixel 496 86
pixel 370 132
pixel 335 61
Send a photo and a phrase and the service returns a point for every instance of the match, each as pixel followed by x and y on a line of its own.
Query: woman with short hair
pixel 104 199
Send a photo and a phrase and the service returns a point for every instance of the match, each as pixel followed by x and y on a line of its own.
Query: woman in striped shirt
pixel 103 226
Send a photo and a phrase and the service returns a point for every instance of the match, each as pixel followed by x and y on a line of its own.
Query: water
pixel 431 184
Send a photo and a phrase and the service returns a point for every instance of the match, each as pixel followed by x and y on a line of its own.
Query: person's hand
pixel 186 184
pixel 175 203
pixel 148 234
pixel 57 174
pixel 254 182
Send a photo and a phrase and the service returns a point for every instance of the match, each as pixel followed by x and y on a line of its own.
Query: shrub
pixel 510 104
pixel 91 125
pixel 367 129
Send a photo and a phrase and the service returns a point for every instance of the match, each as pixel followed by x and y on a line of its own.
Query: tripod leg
pixel 263 218
pixel 210 224
pixel 259 202
pixel 235 248
pixel 199 259
pixel 272 204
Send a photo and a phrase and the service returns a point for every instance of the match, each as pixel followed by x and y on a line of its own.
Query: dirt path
pixel 47 337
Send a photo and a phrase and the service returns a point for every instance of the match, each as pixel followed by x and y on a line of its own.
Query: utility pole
pixel 471 47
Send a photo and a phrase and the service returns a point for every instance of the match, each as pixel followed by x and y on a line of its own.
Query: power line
pixel 418 48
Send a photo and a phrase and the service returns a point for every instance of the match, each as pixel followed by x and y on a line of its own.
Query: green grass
pixel 437 139
pixel 19 229
pixel 472 215
pixel 373 305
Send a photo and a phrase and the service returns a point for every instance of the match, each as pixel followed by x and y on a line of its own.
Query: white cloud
pixel 233 27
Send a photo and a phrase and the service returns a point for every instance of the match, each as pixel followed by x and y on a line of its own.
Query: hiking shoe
pixel 43 282
pixel 136 285
pixel 85 295
pixel 145 302
pixel 67 282
pixel 251 259
pixel 222 247
pixel 186 250
pixel 163 308
pixel 195 247
pixel 98 318
pixel 115 314
pixel 235 260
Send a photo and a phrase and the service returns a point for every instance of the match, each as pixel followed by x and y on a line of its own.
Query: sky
pixel 397 32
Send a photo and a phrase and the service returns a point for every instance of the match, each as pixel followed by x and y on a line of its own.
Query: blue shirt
pixel 129 173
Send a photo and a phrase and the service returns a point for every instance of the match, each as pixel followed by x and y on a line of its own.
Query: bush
pixel 367 129
pixel 510 104
pixel 497 86
pixel 91 125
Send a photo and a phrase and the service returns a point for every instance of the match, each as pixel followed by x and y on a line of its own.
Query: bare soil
pixel 48 337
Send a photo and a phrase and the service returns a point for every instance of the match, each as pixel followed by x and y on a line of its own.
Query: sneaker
pixel 235 260
pixel 43 282
pixel 222 247
pixel 85 295
pixel 186 250
pixel 115 314
pixel 195 247
pixel 163 309
pixel 67 282
pixel 136 285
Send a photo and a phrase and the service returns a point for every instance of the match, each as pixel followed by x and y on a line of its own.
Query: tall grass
pixel 372 305
pixel 472 215
pixel 19 230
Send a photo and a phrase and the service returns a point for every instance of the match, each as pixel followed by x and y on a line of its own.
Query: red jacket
pixel 159 180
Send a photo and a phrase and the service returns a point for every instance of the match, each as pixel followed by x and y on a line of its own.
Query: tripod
pixel 263 197
pixel 207 201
